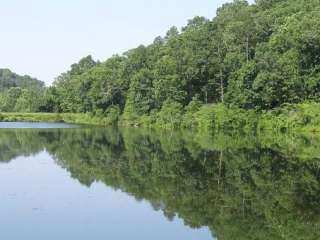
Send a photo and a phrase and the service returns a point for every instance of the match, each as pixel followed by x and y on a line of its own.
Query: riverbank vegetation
pixel 251 67
pixel 301 118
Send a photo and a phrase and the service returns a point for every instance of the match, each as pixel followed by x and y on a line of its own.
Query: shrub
pixel 170 115
pixel 189 120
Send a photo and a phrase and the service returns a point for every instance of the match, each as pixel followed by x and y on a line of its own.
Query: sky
pixel 43 38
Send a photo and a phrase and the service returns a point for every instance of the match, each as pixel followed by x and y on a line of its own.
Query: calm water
pixel 19 125
pixel 58 182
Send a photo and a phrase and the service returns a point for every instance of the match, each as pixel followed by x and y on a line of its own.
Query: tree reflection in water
pixel 241 187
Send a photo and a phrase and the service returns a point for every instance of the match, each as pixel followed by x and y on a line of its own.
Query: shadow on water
pixel 241 187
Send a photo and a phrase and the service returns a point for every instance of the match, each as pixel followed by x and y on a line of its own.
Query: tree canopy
pixel 252 56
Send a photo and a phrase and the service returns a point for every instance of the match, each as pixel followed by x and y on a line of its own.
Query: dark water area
pixel 62 182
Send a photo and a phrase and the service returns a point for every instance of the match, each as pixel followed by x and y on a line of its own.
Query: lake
pixel 59 181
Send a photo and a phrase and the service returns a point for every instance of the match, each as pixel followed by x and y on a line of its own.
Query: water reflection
pixel 253 187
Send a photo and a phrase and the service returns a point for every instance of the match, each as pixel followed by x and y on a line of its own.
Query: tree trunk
pixel 220 167
pixel 221 86
pixel 221 75
pixel 206 95
pixel 247 48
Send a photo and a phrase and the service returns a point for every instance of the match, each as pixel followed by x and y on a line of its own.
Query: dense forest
pixel 19 93
pixel 254 57
pixel 9 80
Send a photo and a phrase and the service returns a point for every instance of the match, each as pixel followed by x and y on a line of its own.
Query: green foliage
pixel 112 115
pixel 189 118
pixel 19 93
pixel 170 115
pixel 29 101
pixel 256 57
pixel 9 99
pixel 106 119
pixel 301 117
pixel 9 80
pixel 73 87
pixel 140 92
pixel 221 118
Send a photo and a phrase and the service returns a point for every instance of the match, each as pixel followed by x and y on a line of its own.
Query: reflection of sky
pixel 22 125
pixel 39 200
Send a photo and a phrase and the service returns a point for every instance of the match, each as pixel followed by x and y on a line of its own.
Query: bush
pixel 218 117
pixel 189 120
pixel 112 115
pixel 170 116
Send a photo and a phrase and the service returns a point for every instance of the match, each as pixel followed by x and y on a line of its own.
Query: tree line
pixel 19 93
pixel 251 56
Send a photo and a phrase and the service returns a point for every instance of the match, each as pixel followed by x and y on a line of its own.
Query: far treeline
pixel 248 61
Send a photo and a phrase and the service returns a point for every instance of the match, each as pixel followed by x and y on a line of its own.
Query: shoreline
pixel 297 118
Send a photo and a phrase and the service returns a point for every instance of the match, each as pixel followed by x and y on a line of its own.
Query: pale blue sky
pixel 43 38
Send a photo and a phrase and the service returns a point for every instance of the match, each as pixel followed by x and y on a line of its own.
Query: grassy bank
pixel 76 118
pixel 217 117
pixel 203 118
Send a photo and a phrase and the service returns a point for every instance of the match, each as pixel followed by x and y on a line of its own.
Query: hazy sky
pixel 43 38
